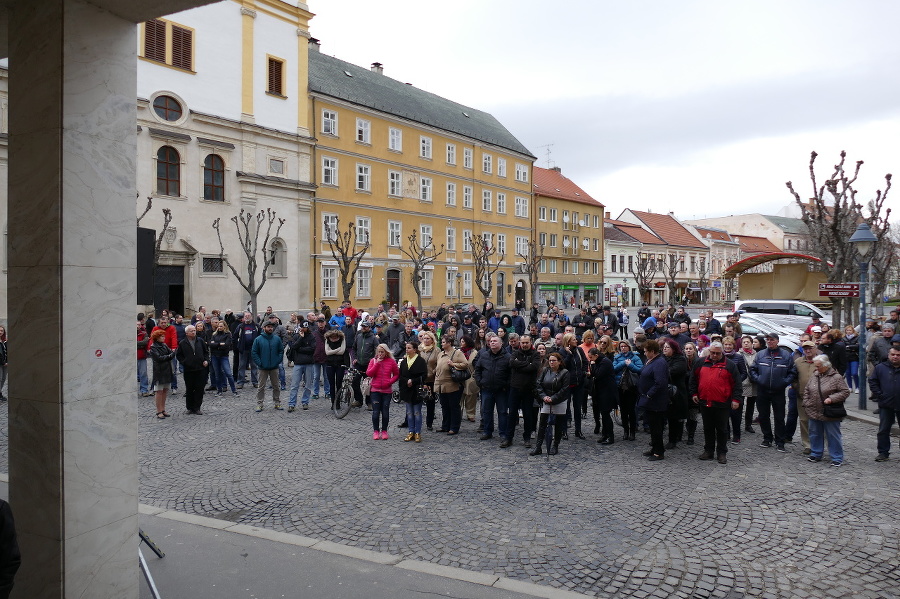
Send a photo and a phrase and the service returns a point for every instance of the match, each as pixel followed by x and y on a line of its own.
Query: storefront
pixel 563 294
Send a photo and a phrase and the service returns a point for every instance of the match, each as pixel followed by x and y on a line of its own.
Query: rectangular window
pixel 363 131
pixel 552 266
pixel 565 219
pixel 501 167
pixel 622 263
pixel 575 222
pixel 467 240
pixel 574 245
pixel 169 44
pixel 597 247
pixel 329 171
pixel 425 147
pixel 521 173
pixel 451 154
pixel 467 158
pixel 596 222
pixel 182 48
pixel 467 197
pixel 542 213
pixel 575 267
pixel 329 227
pixel 424 236
pixel 501 203
pixel 364 282
pixel 543 266
pixel 451 194
pixel 451 283
pixel 612 262
pixel 213 265
pixel 630 263
pixel 587 267
pixel 276 72
pixel 363 177
pixel 487 163
pixel 553 215
pixel 363 229
pixel 427 279
pixel 501 244
pixel 553 240
pixel 467 284
pixel 451 239
pixel 395 229
pixel 329 122
pixel 329 281
pixel 155 40
pixel 693 263
pixel 395 183
pixel 521 246
pixel 425 189
pixel 542 239
pixel 395 139
pixel 521 207
pixel 486 200
pixel 488 239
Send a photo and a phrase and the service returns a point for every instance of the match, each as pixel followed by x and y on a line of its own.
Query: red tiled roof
pixel 756 244
pixel 552 184
pixel 637 232
pixel 669 229
pixel 717 234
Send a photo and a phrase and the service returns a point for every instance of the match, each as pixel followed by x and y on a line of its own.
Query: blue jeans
pixel 174 374
pixel 142 375
pixel 281 378
pixel 414 417
pixel 242 369
pixel 489 399
pixel 300 371
pixel 311 381
pixel 886 417
pixel 222 373
pixel 381 409
pixel 818 430
pixel 321 374
pixel 793 414
pixel 852 375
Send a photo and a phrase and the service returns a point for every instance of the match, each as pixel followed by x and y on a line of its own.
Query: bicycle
pixel 345 398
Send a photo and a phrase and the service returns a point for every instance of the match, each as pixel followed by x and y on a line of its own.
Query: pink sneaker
pixel 375 436
pixel 384 435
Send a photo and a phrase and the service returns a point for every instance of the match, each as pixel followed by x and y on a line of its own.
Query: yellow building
pixel 394 160
pixel 569 225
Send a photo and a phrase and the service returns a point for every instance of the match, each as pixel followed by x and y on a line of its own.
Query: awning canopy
pixel 748 263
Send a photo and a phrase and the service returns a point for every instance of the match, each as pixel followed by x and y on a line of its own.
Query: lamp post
pixel 863 240
pixel 458 295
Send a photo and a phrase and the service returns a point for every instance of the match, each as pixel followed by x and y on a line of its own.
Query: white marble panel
pixel 102 562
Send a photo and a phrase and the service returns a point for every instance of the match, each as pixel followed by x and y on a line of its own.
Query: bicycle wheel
pixel 342 400
pixel 617 418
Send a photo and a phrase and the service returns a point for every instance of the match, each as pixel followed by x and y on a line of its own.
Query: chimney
pixel 377 67
pixel 556 169
pixel 607 216
pixel 313 44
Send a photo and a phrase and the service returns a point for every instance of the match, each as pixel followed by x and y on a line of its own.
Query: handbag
pixel 365 385
pixel 458 375
pixel 832 410
pixel 423 393
pixel 626 382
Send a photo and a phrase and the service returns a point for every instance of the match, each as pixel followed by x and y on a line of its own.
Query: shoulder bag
pixel 831 410
pixel 459 375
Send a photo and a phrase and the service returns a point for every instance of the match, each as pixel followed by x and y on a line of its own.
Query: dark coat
pixel 773 370
pixel 416 374
pixel 653 385
pixel 678 374
pixel 604 391
pixel 576 364
pixel 524 367
pixel 837 355
pixel 162 362
pixel 554 385
pixel 220 344
pixel 303 348
pixel 885 385
pixel 191 359
pixel 492 370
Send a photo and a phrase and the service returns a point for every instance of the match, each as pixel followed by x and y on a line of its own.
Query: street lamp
pixel 863 240
pixel 458 295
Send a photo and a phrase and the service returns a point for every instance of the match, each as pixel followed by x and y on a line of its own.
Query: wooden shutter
pixel 275 74
pixel 182 48
pixel 155 40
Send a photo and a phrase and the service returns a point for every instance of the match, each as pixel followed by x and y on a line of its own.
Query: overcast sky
pixel 700 107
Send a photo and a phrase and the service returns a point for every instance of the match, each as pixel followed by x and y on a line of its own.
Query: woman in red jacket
pixel 384 372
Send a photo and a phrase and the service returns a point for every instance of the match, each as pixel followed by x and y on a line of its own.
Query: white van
pixel 793 313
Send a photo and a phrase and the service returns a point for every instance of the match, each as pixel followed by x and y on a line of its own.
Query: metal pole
pixel 863 379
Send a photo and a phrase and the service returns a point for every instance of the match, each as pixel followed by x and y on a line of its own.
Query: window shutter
pixel 275 67
pixel 155 40
pixel 182 48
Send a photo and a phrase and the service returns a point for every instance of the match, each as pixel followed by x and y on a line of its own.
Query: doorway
pixel 393 287
pixel 168 289
pixel 501 285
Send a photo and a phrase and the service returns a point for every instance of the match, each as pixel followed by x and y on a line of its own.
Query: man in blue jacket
pixel 773 371
pixel 266 354
pixel 885 386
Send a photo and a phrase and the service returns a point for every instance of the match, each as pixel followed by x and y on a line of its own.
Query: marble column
pixel 73 407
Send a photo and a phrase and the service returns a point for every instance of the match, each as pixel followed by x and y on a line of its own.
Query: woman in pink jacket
pixel 384 372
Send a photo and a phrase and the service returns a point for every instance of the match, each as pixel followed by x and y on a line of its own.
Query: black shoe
pixel 527 443
pixel 579 434
pixel 780 448
pixel 442 430
pixel 554 449
pixel 655 458
pixel 481 438
pixel 565 437
pixel 402 425
pixel 749 429
pixel 723 459
pixel 647 454
pixel 882 457
pixel 505 443
pixel 597 430
pixel 670 445
pixel 766 444
pixel 430 429
pixel 705 456
pixel 690 440
pixel 538 450
pixel 607 441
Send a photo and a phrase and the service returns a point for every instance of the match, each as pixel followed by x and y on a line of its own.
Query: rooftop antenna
pixel 550 163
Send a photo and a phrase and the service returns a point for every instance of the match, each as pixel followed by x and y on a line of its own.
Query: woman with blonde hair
pixel 384 372
pixel 587 342
pixel 448 390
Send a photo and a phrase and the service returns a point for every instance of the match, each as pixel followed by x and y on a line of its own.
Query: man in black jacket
pixel 524 364
pixel 193 354
pixel 492 376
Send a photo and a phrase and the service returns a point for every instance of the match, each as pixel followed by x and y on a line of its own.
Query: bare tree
pixel 348 250
pixel 531 266
pixel 703 272
pixel 670 268
pixel 146 210
pixel 249 240
pixel 832 215
pixel 421 254
pixel 483 255
pixel 643 271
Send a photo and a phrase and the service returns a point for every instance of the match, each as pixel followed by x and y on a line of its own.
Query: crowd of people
pixel 536 374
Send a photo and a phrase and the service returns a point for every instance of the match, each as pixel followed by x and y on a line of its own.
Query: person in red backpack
pixel 716 388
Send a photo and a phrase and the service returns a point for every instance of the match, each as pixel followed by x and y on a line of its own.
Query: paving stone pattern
pixel 597 520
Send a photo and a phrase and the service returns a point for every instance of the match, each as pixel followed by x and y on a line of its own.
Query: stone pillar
pixel 73 407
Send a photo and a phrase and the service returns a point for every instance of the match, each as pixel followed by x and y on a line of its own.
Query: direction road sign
pixel 837 293
pixel 838 287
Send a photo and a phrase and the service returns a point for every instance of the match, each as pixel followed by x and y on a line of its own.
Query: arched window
pixel 277 258
pixel 214 178
pixel 168 171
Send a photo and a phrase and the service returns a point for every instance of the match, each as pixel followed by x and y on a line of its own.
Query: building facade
pixel 569 226
pixel 393 160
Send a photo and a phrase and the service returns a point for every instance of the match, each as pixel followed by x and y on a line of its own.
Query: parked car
pixel 792 313
pixel 759 324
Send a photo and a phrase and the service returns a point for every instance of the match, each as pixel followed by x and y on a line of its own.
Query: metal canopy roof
pixel 748 263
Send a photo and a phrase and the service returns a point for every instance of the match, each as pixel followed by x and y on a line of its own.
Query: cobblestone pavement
pixel 594 519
